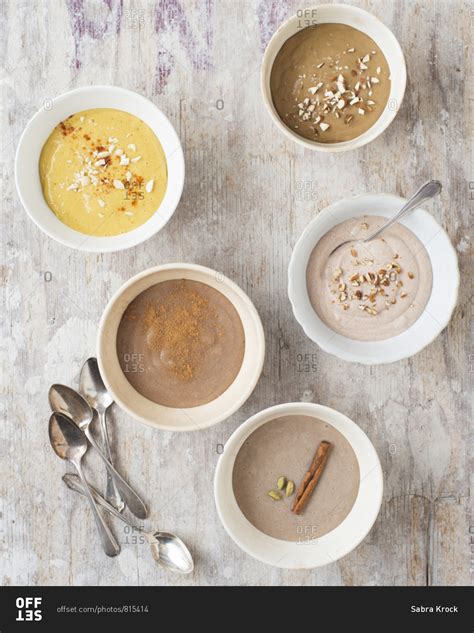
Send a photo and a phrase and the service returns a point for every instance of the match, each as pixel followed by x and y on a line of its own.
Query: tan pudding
pixel 180 343
pixel 330 83
pixel 369 291
pixel 285 488
pixel 103 172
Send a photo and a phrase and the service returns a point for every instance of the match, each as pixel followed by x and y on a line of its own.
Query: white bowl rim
pixel 397 352
pixel 259 353
pixel 115 243
pixel 372 487
pixel 371 134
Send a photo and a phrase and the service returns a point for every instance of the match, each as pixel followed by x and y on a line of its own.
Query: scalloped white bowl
pixel 327 548
pixel 40 127
pixel 440 305
pixel 358 19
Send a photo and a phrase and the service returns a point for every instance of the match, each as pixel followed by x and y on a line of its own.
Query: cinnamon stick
pixel 311 478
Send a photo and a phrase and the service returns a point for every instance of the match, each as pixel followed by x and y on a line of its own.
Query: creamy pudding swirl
pixel 369 291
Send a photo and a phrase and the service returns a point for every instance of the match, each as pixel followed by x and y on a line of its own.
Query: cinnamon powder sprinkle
pixel 176 328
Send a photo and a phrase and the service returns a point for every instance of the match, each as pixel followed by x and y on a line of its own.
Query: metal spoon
pixel 68 401
pixel 425 192
pixel 69 442
pixel 167 549
pixel 95 392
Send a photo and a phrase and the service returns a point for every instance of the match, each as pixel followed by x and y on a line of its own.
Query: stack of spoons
pixel 70 436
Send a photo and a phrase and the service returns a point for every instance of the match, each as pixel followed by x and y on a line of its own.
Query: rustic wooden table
pixel 249 193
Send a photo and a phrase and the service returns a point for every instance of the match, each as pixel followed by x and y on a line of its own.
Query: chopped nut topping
pixel 383 283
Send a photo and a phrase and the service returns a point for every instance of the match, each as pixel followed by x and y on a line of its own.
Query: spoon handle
pixel 111 492
pixel 425 192
pixel 133 501
pixel 74 483
pixel 110 545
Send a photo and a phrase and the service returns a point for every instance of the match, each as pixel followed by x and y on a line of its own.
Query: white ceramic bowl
pixel 40 127
pixel 168 418
pixel 358 19
pixel 333 545
pixel 440 305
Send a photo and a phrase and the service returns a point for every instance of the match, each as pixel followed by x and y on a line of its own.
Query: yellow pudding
pixel 103 172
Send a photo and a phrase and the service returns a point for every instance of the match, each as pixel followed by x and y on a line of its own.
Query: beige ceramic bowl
pixel 167 418
pixel 362 21
pixel 305 554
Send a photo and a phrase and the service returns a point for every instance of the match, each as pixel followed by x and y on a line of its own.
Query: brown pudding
pixel 330 83
pixel 284 448
pixel 180 343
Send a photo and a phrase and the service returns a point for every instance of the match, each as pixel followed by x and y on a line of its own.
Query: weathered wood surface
pixel 242 211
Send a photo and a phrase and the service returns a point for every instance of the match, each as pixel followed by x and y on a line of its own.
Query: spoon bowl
pixel 92 386
pixel 67 439
pixel 170 552
pixel 67 401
